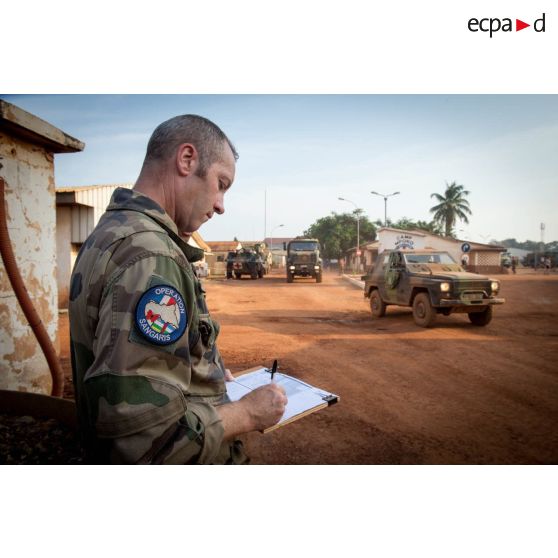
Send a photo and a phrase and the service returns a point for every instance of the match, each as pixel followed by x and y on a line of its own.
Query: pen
pixel 273 369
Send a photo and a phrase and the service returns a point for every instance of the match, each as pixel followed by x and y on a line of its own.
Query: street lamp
pixel 385 196
pixel 271 242
pixel 358 228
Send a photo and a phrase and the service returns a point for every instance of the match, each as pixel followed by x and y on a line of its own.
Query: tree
pixel 451 207
pixel 337 232
pixel 407 224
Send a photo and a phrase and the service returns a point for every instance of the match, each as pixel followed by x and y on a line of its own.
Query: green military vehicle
pixel 431 283
pixel 303 259
pixel 245 262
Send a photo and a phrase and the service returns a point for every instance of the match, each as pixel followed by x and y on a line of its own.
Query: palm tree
pixel 452 206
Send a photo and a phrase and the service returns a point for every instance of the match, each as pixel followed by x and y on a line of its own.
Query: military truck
pixel 303 259
pixel 245 262
pixel 431 283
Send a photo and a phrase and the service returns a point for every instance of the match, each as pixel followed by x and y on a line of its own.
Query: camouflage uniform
pixel 139 402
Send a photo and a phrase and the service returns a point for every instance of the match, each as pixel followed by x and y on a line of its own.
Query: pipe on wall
pixel 25 301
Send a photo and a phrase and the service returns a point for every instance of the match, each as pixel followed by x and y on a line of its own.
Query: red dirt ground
pixel 451 394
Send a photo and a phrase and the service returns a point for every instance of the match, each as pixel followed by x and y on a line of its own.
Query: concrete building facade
pixel 277 249
pixel 219 250
pixel 477 257
pixel 27 148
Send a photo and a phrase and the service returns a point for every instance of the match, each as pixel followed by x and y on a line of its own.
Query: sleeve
pixel 136 390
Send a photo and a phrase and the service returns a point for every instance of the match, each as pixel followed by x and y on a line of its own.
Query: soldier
pixel 149 379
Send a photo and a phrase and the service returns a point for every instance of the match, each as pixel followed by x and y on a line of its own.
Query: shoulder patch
pixel 161 315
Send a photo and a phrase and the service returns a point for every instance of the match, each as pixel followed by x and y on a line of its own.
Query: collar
pixel 124 199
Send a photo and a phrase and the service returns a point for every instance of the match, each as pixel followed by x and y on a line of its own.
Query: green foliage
pixel 451 207
pixel 337 232
pixel 407 224
pixel 530 245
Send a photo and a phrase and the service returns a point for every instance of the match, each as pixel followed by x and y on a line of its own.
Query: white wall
pixel 478 258
pixel 28 171
pixel 390 239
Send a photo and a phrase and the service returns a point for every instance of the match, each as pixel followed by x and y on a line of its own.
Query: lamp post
pixel 358 229
pixel 385 196
pixel 271 242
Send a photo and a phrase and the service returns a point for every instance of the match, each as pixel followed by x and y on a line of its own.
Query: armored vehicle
pixel 245 262
pixel 303 259
pixel 431 283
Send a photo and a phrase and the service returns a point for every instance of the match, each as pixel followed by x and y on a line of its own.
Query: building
pixel 27 148
pixel 78 210
pixel 219 250
pixel 278 249
pixel 203 267
pixel 480 258
pixel 370 253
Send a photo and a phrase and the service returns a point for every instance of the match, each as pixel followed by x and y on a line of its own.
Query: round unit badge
pixel 161 315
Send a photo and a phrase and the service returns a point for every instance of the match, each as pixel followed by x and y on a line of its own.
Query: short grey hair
pixel 206 136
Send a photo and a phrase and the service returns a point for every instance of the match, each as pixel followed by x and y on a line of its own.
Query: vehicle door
pixel 404 286
pixel 392 277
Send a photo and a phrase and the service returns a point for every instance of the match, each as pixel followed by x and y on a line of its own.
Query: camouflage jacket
pixel 147 371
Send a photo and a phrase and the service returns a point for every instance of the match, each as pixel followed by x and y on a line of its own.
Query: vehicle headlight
pixel 494 286
pixel 445 287
pixel 316 267
pixel 292 267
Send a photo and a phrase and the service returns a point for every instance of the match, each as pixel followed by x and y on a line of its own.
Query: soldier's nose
pixel 219 207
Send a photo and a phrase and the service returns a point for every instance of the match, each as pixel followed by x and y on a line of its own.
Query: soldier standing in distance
pixel 149 379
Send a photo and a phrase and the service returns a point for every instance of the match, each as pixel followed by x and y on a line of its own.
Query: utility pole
pixel 542 247
pixel 358 231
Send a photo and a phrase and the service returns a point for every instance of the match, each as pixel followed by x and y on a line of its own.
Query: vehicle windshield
pixel 303 246
pixel 433 258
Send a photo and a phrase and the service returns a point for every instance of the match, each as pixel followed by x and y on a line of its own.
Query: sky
pixel 300 153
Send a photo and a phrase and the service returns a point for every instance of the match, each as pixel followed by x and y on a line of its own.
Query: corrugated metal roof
pixel 95 186
pixel 98 197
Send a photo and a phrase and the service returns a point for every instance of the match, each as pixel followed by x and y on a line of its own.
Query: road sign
pixel 465 247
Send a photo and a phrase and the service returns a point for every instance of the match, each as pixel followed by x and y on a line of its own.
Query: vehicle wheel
pixel 481 318
pixel 254 275
pixel 238 275
pixel 289 278
pixel 377 305
pixel 261 273
pixel 319 278
pixel 423 313
pixel 229 275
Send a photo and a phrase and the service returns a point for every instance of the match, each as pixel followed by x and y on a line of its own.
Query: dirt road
pixel 452 394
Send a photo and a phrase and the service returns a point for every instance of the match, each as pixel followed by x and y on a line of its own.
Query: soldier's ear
pixel 187 159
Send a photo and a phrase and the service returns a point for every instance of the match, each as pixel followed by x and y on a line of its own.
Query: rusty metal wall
pixel 28 171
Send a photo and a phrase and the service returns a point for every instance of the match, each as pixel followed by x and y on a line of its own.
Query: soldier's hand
pixel 228 375
pixel 265 405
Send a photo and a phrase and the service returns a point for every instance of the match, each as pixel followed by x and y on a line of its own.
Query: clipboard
pixel 304 399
